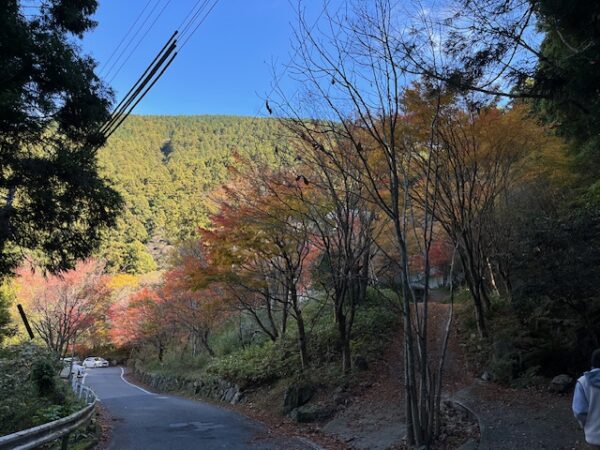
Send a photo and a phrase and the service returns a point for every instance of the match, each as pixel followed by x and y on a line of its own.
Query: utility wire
pixel 166 66
pixel 155 70
pixel 124 103
pixel 132 39
pixel 121 112
pixel 199 23
pixel 141 40
pixel 126 34
pixel 192 15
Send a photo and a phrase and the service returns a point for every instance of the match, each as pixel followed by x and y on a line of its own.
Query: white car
pixel 94 361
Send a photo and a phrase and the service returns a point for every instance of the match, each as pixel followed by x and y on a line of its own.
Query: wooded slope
pixel 165 166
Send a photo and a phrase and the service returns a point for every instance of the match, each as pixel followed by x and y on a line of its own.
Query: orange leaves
pixel 185 304
pixel 136 319
pixel 168 308
pixel 65 307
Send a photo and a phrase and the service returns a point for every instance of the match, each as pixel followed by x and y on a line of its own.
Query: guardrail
pixel 61 428
pixel 82 392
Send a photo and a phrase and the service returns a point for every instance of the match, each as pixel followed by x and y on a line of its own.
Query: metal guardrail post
pixel 64 445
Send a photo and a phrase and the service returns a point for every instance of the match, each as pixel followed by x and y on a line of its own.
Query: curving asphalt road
pixel 145 421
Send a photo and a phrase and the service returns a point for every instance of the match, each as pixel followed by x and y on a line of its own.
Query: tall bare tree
pixel 355 93
pixel 331 200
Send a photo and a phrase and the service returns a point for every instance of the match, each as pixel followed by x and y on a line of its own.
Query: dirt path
pixel 375 420
pixel 510 418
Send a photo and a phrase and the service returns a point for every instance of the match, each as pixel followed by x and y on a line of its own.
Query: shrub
pixel 44 377
pixel 257 364
pixel 252 359
pixel 374 324
pixel 52 413
pixel 29 388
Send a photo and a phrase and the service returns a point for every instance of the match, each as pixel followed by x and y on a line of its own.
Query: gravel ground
pixel 522 419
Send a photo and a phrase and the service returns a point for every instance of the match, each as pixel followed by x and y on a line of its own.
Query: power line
pixel 140 41
pixel 160 74
pixel 155 70
pixel 191 15
pixel 134 90
pixel 133 38
pixel 127 34
pixel 199 23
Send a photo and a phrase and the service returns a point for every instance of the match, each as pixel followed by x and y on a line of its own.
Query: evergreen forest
pixel 165 168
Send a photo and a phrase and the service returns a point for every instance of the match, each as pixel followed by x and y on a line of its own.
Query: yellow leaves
pixel 515 135
pixel 123 280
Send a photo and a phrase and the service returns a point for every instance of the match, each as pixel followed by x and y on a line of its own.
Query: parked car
pixel 94 361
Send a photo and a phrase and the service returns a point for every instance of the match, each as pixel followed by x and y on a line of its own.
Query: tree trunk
pixel 284 317
pixel 344 340
pixel 492 277
pixel 302 340
pixel 505 277
pixel 161 351
pixel 473 286
pixel 205 344
pixel 274 333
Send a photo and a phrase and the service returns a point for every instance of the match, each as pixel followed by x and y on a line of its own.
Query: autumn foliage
pixel 66 309
pixel 169 309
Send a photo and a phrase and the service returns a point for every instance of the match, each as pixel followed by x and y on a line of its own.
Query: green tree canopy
pixel 165 167
pixel 568 77
pixel 52 200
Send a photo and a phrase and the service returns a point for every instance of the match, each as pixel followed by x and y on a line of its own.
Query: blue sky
pixel 225 68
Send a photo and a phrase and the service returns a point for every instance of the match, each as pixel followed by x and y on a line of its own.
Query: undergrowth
pixel 248 358
pixel 30 389
pixel 529 340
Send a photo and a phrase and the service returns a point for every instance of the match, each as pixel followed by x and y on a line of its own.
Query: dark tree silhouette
pixel 52 199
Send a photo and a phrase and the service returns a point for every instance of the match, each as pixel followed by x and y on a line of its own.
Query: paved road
pixel 145 421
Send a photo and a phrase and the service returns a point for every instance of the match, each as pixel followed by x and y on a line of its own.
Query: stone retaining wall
pixel 209 388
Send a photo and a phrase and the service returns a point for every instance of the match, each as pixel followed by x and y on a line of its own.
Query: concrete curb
pixel 310 443
pixel 483 444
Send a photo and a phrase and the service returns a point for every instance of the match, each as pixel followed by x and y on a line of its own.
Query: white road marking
pixel 131 384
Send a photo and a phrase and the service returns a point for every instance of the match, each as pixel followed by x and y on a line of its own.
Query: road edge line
pixel 131 384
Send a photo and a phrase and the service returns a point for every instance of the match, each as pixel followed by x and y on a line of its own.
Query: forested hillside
pixel 165 167
pixel 404 254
